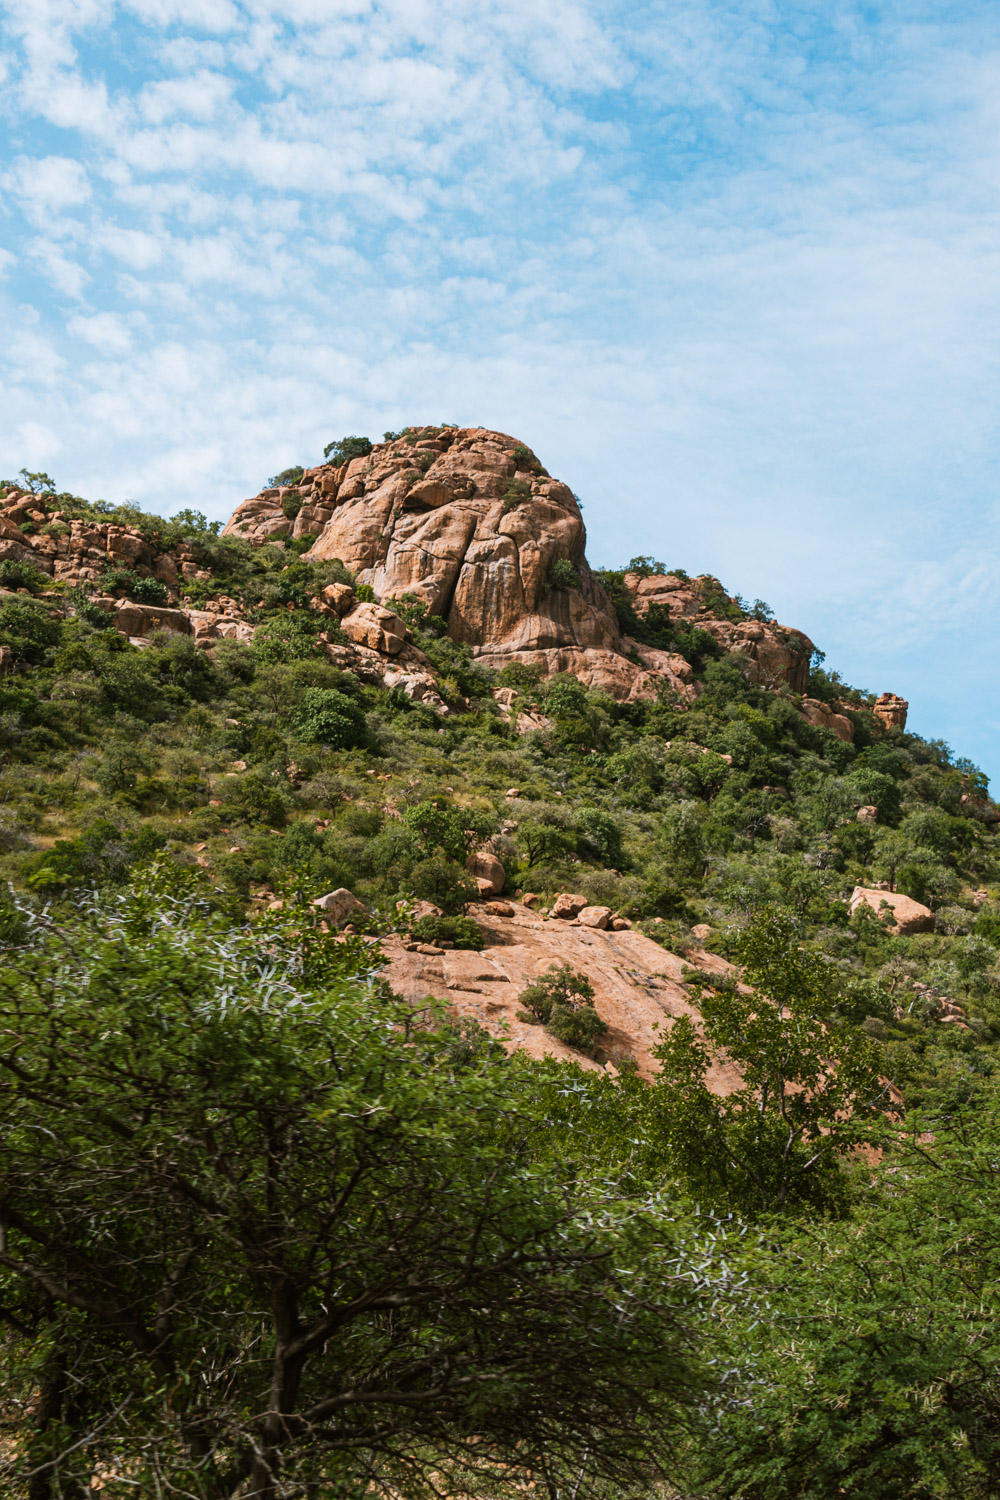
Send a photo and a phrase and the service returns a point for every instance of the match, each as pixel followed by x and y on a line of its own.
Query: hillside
pixel 400 663
pixel 472 1021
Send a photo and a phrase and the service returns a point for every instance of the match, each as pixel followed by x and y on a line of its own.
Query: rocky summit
pixel 467 521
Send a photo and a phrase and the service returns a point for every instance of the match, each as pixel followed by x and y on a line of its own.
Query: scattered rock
pixel 593 916
pixel 701 931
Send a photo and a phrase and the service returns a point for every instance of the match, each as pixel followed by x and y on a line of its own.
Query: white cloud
pixel 47 185
pixel 107 332
pixel 59 269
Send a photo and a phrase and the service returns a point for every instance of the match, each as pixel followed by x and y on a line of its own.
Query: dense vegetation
pixel 218 1125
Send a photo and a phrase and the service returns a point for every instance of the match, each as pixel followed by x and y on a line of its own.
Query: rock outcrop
pixel 891 710
pixel 467 521
pixel 464 520
pixel 638 987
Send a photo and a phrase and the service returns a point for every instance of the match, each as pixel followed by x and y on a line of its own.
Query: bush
pixel 19 575
pixel 578 1026
pixel 286 477
pixel 120 581
pixel 444 882
pixel 331 717
pixel 28 629
pixel 291 504
pixel 560 999
pixel 562 575
pixel 286 637
pixel 341 450
pixel 516 492
pixel 462 931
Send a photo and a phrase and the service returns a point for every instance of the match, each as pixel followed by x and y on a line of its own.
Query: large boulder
pixel 487 869
pixel 909 915
pixel 370 625
pixel 567 906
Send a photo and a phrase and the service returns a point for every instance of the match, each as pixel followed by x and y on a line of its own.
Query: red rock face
pixel 467 521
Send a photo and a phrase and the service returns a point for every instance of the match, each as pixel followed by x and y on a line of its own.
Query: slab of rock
pixel 566 906
pixel 340 906
pixel 144 619
pixel 485 866
pixel 637 986
pixel 370 625
pixel 910 916
pixel 867 814
pixel 595 916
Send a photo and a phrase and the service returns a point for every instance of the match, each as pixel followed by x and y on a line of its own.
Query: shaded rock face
pixel 823 716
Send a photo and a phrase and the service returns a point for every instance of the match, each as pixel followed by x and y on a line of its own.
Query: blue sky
pixel 731 269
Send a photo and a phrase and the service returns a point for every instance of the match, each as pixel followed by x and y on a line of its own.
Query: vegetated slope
pixel 270 1224
pixel 396 673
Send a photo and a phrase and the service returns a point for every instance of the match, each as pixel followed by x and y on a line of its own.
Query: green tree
pixel 342 450
pixel 562 999
pixel 261 1237
pixel 811 1090
pixel 869 1369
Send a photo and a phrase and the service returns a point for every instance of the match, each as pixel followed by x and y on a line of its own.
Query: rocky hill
pixel 396 677
pixel 463 522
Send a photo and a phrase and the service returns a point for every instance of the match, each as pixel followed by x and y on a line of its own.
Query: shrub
pixel 331 717
pixel 28 629
pixel 120 581
pixel 365 593
pixel 516 492
pixel 291 504
pixel 444 882
pixel 286 637
pixel 559 985
pixel 561 1000
pixel 578 1026
pixel 462 931
pixel 19 575
pixel 341 450
pixel 562 575
pixel 286 477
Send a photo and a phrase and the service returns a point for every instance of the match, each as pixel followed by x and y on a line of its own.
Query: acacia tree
pixel 812 1085
pixel 869 1366
pixel 263 1237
